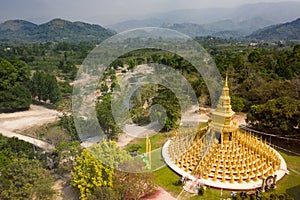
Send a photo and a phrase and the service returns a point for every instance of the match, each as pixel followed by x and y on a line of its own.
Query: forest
pixel 264 82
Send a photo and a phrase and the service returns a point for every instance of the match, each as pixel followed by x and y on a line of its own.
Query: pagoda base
pixel 244 186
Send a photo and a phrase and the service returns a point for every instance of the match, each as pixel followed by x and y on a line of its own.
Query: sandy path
pixel 35 116
pixel 160 194
pixel 193 115
pixel 18 121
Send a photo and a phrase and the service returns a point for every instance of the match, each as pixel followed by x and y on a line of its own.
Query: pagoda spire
pixel 226 79
pixel 223 116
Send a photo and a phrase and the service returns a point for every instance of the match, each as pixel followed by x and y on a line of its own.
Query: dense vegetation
pixel 96 176
pixel 18 88
pixel 14 93
pixel 263 80
pixel 23 175
pixel 41 72
pixel 257 76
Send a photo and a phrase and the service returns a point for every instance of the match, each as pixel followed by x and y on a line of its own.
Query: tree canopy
pixel 14 94
pixel 282 114
pixel 26 179
pixel 45 87
pixel 95 167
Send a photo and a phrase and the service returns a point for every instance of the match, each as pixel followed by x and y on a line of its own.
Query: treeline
pixel 19 88
pixel 23 171
pixel 30 72
pixel 262 80
pixel 256 75
pixel 267 84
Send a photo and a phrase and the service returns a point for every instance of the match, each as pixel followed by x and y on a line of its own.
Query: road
pixel 11 123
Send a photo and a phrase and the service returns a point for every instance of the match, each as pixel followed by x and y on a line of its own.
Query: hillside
pixel 56 30
pixel 223 28
pixel 244 19
pixel 286 31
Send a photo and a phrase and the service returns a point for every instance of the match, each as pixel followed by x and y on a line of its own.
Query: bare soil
pixel 35 116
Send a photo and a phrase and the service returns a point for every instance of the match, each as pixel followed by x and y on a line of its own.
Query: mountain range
pixel 261 21
pixel 286 31
pixel 56 30
pixel 237 21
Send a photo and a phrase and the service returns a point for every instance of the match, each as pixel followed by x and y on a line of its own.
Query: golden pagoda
pixel 223 123
pixel 222 155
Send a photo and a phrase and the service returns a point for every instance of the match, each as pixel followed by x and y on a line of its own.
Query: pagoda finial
pixel 226 79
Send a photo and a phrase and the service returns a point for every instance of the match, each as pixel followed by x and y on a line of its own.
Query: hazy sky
pixel 102 12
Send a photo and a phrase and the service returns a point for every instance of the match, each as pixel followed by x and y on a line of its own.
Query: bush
pixel 201 191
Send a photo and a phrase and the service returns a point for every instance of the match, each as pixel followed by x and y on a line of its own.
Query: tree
pixel 66 122
pixel 237 103
pixel 26 179
pixel 15 98
pixel 105 193
pixel 117 63
pixel 131 64
pixel 134 185
pixel 170 102
pixel 14 94
pixel 45 87
pixel 65 154
pixel 52 90
pixel 110 154
pixel 253 56
pixel 89 173
pixel 36 85
pixel 129 182
pixel 127 186
pixel 23 70
pixel 95 167
pixel 106 119
pixel 282 113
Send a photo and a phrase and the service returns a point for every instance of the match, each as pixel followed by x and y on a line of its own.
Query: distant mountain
pixel 188 29
pixel 56 30
pixel 241 20
pixel 17 25
pixel 286 31
pixel 131 24
pixel 223 28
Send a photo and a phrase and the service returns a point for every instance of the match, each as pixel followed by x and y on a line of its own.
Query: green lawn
pixel 290 183
pixel 168 180
pixel 157 141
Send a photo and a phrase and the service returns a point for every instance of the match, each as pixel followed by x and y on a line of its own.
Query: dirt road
pixel 10 123
pixel 35 116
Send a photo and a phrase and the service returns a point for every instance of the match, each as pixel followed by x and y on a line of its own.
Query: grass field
pixel 290 184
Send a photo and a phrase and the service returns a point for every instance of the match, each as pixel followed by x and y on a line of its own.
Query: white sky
pixel 103 12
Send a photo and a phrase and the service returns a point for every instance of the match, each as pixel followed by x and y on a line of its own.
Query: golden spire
pixel 226 79
pixel 223 115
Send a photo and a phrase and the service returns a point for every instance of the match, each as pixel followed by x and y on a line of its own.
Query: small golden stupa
pixel 222 155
